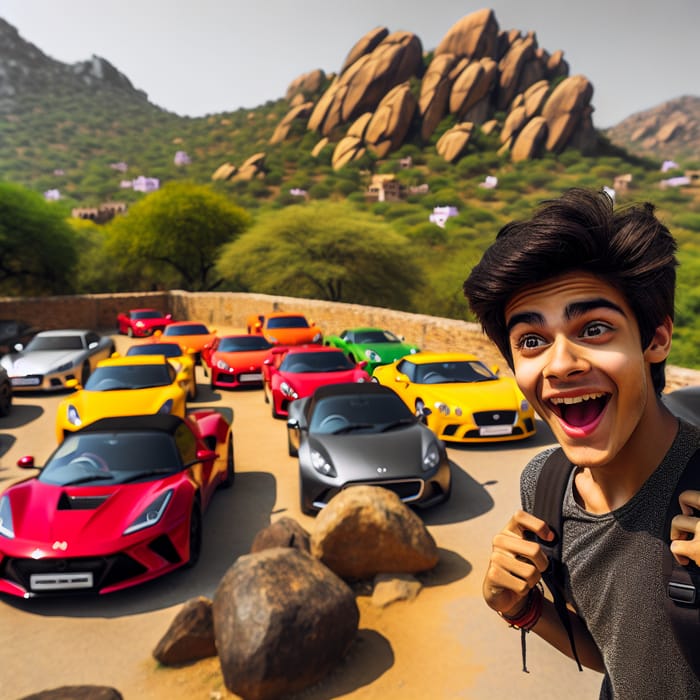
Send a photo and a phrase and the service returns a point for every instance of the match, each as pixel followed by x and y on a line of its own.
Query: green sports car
pixel 375 345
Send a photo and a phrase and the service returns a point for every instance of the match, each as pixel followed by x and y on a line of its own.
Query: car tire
pixel 265 396
pixel 5 398
pixel 420 406
pixel 274 410
pixel 130 332
pixel 304 508
pixel 230 465
pixel 195 538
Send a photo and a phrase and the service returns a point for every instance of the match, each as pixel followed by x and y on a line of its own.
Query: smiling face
pixel 578 359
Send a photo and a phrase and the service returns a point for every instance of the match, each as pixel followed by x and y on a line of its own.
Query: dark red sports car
pixel 118 503
pixel 140 323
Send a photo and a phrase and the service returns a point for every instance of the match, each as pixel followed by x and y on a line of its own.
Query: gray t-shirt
pixel 615 583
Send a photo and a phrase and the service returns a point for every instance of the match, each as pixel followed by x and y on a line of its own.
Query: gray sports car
pixel 51 358
pixel 349 434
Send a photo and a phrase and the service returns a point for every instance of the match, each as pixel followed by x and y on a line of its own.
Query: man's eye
pixel 593 330
pixel 530 342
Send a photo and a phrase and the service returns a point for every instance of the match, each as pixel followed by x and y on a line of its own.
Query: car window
pixel 167 349
pixel 55 342
pixel 146 314
pixel 407 368
pixel 242 343
pixel 111 457
pixel 334 413
pixel 447 372
pixel 117 377
pixel 186 444
pixel 315 362
pixel 189 329
pixel 288 322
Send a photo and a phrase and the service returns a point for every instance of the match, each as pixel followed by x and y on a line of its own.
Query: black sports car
pixel 348 434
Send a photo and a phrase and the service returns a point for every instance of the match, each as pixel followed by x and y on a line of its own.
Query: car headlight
pixel 272 339
pixel 431 458
pixel 288 391
pixel 6 527
pixel 321 464
pixel 64 367
pixel 152 514
pixel 372 356
pixel 220 364
pixel 361 380
pixel 414 351
pixel 73 416
pixel 524 405
pixel 167 407
pixel 442 408
pixel 139 324
pixel 317 338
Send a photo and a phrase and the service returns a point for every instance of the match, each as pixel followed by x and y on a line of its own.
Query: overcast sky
pixel 197 57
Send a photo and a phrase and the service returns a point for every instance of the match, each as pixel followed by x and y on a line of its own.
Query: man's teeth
pixel 576 399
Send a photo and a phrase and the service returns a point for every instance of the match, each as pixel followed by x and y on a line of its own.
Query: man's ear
pixel 660 345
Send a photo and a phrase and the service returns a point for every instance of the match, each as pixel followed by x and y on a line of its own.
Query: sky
pixel 210 56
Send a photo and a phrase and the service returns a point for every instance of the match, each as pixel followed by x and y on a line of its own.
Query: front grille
pixel 225 378
pixel 484 418
pixel 477 434
pixel 106 571
pixel 164 548
pixel 66 502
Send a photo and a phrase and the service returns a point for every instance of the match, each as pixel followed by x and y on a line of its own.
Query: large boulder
pixel 282 621
pixel 453 143
pixel 295 114
pixel 285 532
pixel 530 142
pixel 367 530
pixel 365 45
pixel 389 124
pixel 565 109
pixel 473 85
pixel 511 68
pixel 77 692
pixel 306 85
pixel 435 92
pixel 190 636
pixel 473 36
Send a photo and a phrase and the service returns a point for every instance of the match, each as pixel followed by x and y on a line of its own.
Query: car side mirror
pixel 496 370
pixel 26 462
pixel 73 384
pixel 293 423
pixel 206 455
pixel 401 378
pixel 169 317
pixel 362 364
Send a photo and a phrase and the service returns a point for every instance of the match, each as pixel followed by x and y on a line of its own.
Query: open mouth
pixel 579 411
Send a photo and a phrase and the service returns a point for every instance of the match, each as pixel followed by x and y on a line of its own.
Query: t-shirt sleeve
pixel 529 476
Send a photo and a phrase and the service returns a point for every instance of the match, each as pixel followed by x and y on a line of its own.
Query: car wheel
pixel 195 540
pixel 274 410
pixel 130 332
pixel 306 510
pixel 230 465
pixel 5 398
pixel 290 447
pixel 420 411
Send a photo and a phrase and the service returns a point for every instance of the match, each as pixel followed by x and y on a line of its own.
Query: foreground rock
pixel 190 636
pixel 367 530
pixel 77 692
pixel 282 621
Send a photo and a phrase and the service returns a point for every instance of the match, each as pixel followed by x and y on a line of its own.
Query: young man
pixel 580 302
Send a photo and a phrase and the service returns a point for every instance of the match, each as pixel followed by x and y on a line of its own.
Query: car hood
pixel 39 361
pixel 387 351
pixel 92 405
pixel 291 336
pixel 75 521
pixel 242 358
pixel 476 396
pixel 398 452
pixel 306 383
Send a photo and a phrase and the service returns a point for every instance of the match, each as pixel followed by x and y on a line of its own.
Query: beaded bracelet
pixel 530 616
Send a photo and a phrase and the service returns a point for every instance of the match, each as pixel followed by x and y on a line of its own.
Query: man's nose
pixel 565 358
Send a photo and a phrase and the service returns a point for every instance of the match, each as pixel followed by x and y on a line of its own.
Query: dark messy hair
pixel 629 248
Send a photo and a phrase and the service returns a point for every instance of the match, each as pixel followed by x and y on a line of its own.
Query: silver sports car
pixel 349 434
pixel 51 358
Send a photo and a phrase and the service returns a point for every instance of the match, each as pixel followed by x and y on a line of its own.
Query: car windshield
pixel 448 372
pixel 167 349
pixel 152 313
pixel 112 458
pixel 55 342
pixel 372 337
pixel 128 377
pixel 189 329
pixel 300 362
pixel 243 343
pixel 288 322
pixel 360 413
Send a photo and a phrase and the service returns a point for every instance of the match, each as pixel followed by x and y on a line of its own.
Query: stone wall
pixel 229 311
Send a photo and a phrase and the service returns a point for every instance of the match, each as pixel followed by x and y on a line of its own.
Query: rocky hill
pixel 669 131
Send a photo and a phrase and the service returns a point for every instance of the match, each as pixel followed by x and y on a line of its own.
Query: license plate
pixel 25 381
pixel 492 430
pixel 250 377
pixel 60 582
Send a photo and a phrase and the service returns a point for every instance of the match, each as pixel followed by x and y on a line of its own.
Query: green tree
pixel 175 235
pixel 324 250
pixel 38 245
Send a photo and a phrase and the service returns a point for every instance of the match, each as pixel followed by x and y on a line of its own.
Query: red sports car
pixel 236 360
pixel 118 503
pixel 140 323
pixel 295 372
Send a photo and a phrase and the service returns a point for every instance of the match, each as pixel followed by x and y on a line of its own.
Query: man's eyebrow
pixel 578 308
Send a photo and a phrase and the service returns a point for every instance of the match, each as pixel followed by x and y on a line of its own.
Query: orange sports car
pixel 191 336
pixel 281 328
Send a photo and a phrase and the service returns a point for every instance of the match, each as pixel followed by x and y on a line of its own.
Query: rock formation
pixel 479 74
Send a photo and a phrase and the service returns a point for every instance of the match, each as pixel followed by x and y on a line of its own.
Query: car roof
pixel 133 360
pixel 353 388
pixel 285 314
pixel 145 308
pixel 425 357
pixel 188 323
pixel 161 422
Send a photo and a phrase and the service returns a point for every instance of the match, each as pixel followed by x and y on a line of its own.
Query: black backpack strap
pixel 682 583
pixel 549 497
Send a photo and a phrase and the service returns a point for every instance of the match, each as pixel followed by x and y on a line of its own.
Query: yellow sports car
pixel 459 398
pixel 124 386
pixel 182 361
